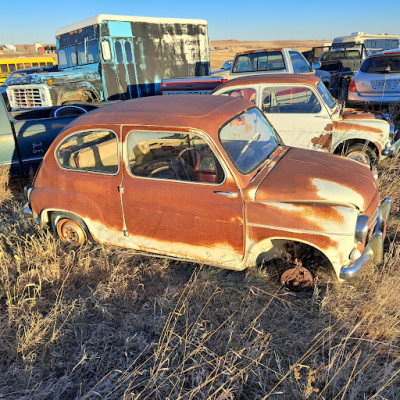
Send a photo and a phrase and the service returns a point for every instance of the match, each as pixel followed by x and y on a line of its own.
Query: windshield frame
pixel 274 134
pixel 326 91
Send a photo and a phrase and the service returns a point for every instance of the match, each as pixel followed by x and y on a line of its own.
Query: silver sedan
pixel 377 82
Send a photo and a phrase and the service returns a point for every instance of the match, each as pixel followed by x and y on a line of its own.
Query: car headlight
pixel 361 228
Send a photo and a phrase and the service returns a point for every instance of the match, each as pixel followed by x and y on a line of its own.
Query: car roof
pixel 385 53
pixel 203 112
pixel 271 78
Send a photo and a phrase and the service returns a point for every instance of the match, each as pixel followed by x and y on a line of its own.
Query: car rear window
pixel 263 61
pixel 381 65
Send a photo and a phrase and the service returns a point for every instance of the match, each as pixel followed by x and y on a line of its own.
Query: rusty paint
pixel 324 141
pixel 300 195
pixel 348 126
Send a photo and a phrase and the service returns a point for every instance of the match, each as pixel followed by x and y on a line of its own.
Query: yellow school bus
pixel 8 65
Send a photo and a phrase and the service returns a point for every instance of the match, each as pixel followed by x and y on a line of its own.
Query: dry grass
pixel 96 323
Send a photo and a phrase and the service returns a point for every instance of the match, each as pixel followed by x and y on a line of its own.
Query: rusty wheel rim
pixel 70 232
pixel 359 156
pixel 297 279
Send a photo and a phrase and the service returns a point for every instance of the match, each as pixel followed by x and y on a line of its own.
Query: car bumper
pixel 393 149
pixel 373 251
pixel 357 98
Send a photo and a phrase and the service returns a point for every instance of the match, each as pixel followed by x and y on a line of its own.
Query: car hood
pixel 86 74
pixel 310 176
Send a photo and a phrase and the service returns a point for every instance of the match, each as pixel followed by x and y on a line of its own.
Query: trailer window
pixel 118 52
pixel 128 52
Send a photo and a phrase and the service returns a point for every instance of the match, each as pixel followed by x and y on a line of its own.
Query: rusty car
pixel 206 179
pixel 305 115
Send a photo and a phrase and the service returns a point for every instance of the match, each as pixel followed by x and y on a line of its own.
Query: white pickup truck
pixel 264 61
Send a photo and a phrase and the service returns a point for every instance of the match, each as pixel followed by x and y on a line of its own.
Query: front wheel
pixel 363 154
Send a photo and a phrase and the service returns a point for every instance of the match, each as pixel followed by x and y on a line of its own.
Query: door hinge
pixel 121 189
pixel 126 233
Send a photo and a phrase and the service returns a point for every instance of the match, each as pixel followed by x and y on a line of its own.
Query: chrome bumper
pixel 373 251
pixel 27 210
pixel 393 149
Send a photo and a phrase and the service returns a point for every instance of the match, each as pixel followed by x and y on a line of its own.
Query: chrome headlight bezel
pixel 361 228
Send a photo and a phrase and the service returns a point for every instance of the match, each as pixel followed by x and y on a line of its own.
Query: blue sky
pixel 27 21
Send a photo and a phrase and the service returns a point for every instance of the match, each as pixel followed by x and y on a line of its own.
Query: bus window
pixel 27 65
pixel 35 64
pixel 3 68
pixel 49 64
pixel 42 64
pixel 20 66
pixel 11 67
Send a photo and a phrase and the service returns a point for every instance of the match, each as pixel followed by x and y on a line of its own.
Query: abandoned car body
pixel 205 179
pixel 305 115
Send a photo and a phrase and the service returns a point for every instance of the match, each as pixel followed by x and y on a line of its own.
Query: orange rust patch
pixel 324 140
pixel 346 126
pixel 320 241
pixel 328 127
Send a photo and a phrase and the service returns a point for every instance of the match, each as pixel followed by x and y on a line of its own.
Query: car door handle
pixel 232 195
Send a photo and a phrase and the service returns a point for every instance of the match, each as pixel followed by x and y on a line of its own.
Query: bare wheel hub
pixel 70 232
pixel 297 279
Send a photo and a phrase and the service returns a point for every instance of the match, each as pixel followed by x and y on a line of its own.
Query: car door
pixel 297 113
pixel 179 200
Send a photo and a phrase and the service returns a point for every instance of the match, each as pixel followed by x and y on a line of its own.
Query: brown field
pixel 100 323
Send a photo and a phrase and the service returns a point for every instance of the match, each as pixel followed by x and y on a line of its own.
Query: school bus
pixel 8 65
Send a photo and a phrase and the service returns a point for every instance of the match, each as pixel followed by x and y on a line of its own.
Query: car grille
pixel 27 97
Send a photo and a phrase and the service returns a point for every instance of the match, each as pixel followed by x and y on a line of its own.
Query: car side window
pixel 248 94
pixel 300 64
pixel 175 156
pixel 90 151
pixel 290 100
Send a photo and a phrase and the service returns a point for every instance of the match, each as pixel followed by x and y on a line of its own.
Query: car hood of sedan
pixel 311 176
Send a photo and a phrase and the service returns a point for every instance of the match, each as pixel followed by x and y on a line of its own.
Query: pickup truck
pixel 342 61
pixel 253 62
pixel 26 135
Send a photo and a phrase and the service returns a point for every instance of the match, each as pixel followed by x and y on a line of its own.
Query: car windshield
pixel 324 92
pixel 381 65
pixel 248 140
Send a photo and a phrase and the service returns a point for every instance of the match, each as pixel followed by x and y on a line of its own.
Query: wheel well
pixel 289 250
pixel 54 216
pixel 81 95
pixel 342 148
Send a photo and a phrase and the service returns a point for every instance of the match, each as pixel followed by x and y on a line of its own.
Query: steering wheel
pixel 183 164
pixel 164 169
pixel 246 146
